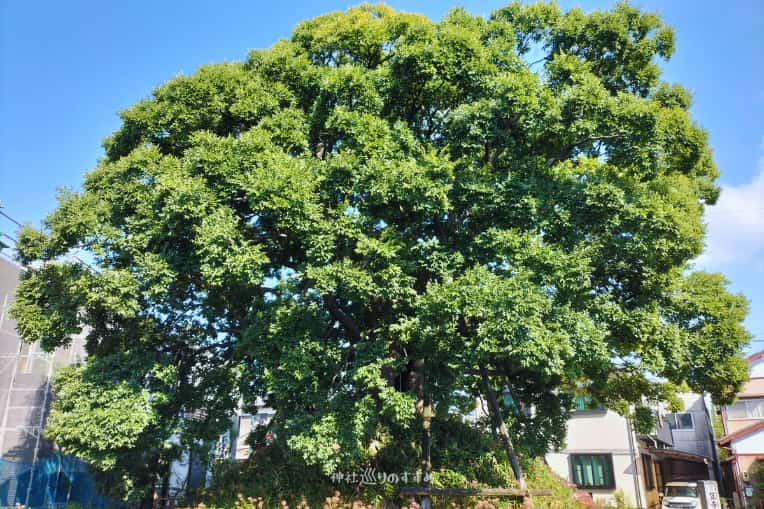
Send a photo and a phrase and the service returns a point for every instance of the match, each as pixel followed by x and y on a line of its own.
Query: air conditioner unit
pixel 746 476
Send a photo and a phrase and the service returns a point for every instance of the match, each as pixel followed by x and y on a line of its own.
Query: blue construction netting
pixel 54 481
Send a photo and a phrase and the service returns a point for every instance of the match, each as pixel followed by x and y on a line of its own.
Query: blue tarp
pixel 53 481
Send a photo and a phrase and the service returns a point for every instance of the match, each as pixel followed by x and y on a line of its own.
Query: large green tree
pixel 384 209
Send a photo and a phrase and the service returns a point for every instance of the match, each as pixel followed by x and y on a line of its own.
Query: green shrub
pixel 268 481
pixel 620 501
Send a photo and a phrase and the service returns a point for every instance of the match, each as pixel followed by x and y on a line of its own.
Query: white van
pixel 691 495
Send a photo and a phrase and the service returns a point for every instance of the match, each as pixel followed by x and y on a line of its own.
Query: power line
pixel 4 245
pixel 9 217
pixel 18 223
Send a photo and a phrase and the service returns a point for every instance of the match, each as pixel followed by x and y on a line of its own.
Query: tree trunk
pixel 503 432
pixel 150 478
pixel 147 501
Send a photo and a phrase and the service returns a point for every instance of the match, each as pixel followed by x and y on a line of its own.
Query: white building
pixel 232 445
pixel 604 455
pixel 601 456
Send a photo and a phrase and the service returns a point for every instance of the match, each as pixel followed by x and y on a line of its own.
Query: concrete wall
pixel 749 465
pixel 752 443
pixel 601 432
pixel 748 451
pixel 753 388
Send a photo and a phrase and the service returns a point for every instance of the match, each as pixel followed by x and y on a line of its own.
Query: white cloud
pixel 735 232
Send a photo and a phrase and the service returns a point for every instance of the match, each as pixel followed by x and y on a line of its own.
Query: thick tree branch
pixel 503 432
pixel 265 289
pixel 339 315
pixel 567 151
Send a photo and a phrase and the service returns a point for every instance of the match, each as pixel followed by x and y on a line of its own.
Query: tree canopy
pixel 378 198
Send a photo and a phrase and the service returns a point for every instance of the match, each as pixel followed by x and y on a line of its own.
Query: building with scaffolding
pixel 32 471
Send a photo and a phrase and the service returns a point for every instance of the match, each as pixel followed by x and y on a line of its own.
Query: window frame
pixel 676 421
pixel 748 415
pixel 609 476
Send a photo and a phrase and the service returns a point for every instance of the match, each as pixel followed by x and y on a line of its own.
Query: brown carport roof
pixel 676 455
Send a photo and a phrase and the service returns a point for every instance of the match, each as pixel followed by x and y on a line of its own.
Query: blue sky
pixel 67 68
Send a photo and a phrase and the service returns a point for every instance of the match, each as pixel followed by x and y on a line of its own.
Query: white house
pixel 604 455
pixel 743 423
pixel 601 456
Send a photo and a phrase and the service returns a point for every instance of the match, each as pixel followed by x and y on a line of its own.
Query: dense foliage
pixel 256 484
pixel 378 201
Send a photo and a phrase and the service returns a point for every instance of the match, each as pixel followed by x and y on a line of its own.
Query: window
pixel 262 419
pixel 681 421
pixel 755 408
pixel 245 425
pixel 746 409
pixel 737 411
pixel 509 401
pixel 586 403
pixel 681 491
pixel 592 470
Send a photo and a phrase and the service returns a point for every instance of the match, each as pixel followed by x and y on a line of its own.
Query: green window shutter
pixel 581 402
pixel 592 470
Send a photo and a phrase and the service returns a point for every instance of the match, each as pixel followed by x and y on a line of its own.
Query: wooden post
pixel 475 492
pixel 424 408
pixel 503 432
pixel 427 414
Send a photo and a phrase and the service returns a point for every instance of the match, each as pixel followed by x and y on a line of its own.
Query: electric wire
pixel 15 241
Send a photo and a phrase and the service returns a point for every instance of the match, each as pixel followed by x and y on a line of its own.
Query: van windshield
pixel 681 491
